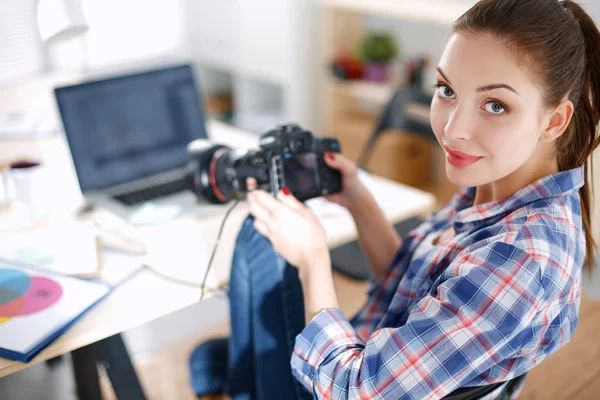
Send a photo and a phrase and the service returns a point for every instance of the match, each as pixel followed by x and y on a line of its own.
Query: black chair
pixel 395 116
pixel 478 392
pixel 348 259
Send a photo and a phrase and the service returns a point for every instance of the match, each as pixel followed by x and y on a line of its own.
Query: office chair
pixel 348 259
pixel 394 116
pixel 478 392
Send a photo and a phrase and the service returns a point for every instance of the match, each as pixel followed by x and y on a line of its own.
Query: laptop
pixel 128 136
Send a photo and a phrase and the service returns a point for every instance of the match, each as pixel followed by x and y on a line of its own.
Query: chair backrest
pixel 472 393
pixel 394 116
pixel 478 392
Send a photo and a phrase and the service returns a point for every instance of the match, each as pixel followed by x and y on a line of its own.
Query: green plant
pixel 378 47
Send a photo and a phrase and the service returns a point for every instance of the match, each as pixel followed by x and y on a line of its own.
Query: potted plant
pixel 377 50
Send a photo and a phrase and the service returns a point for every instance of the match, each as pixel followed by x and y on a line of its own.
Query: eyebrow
pixel 485 88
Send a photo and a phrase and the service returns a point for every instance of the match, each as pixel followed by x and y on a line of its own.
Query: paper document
pixel 65 248
pixel 27 124
pixel 176 249
pixel 38 307
pixel 117 266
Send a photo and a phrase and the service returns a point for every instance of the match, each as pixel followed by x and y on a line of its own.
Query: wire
pixel 212 256
pixel 202 286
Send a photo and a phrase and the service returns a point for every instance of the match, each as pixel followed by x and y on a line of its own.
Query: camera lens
pixel 218 174
pixel 206 173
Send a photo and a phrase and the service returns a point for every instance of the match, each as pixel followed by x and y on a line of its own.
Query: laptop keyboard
pixel 152 192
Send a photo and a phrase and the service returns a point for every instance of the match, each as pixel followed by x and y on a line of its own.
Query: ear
pixel 558 121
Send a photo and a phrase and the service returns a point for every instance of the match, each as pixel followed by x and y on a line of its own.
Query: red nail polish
pixel 330 156
pixel 286 191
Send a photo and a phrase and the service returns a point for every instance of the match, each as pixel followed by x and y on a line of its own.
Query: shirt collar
pixel 549 186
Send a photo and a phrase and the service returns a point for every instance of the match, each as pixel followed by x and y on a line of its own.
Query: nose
pixel 459 125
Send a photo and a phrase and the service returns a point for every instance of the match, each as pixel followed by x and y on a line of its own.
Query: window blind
pixel 20 44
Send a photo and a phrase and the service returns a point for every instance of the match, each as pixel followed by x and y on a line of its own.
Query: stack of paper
pixel 27 124
pixel 65 248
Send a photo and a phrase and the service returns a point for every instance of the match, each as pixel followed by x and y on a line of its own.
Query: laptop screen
pixel 131 127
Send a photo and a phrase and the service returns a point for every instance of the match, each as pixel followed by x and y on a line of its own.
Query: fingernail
pixel 286 191
pixel 330 156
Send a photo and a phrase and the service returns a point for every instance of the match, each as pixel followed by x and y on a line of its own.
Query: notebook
pixel 37 307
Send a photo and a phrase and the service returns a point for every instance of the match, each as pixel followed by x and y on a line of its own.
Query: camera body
pixel 295 159
pixel 287 156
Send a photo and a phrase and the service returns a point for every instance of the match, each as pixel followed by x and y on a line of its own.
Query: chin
pixel 465 177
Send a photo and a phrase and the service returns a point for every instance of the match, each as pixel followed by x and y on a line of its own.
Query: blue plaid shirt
pixel 486 306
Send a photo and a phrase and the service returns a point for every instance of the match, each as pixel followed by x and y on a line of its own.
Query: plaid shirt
pixel 484 307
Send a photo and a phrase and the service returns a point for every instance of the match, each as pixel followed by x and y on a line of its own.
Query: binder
pixel 37 307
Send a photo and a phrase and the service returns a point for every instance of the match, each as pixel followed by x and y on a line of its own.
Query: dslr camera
pixel 288 156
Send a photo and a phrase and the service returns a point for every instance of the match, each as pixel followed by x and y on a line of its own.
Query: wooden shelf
pixel 377 93
pixel 352 108
pixel 443 12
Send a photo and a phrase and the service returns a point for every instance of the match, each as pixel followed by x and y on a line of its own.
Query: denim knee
pixel 251 242
pixel 209 367
pixel 248 233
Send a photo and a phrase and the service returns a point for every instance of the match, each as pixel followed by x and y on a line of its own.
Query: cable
pixel 212 256
pixel 202 286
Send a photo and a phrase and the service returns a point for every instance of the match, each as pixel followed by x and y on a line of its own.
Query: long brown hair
pixel 560 45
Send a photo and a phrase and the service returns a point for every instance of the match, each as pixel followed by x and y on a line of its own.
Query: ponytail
pixel 583 138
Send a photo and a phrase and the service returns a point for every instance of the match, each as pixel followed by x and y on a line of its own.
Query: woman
pixel 483 290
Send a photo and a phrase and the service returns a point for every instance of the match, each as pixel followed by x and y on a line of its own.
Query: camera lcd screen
pixel 301 174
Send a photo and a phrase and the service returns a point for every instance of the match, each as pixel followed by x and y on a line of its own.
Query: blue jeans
pixel 267 312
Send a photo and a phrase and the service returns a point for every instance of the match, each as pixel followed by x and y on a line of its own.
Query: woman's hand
pixel 353 190
pixel 292 228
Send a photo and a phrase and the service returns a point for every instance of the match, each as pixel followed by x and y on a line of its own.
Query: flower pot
pixel 377 72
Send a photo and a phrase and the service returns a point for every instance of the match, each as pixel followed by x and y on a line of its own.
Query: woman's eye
pixel 493 107
pixel 445 92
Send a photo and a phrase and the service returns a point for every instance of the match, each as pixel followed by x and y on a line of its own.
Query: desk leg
pixel 86 374
pixel 112 353
pixel 53 361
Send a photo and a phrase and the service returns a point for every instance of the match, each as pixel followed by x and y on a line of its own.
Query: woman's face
pixel 487 107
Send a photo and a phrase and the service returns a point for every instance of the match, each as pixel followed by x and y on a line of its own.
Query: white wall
pixel 122 32
pixel 268 49
pixel 594 9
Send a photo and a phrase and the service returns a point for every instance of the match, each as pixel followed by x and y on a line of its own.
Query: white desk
pixel 148 296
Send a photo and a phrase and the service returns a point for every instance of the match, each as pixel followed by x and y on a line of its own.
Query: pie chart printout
pixel 21 294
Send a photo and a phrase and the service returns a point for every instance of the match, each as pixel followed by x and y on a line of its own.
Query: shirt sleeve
pixel 474 320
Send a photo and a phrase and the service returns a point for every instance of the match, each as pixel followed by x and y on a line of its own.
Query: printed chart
pixel 21 294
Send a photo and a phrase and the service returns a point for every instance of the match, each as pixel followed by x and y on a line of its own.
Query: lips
pixel 461 155
pixel 460 159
